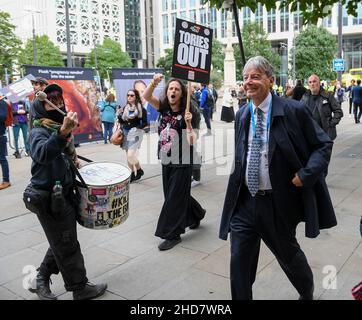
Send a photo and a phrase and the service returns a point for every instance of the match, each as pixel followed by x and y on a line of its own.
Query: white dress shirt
pixel 264 180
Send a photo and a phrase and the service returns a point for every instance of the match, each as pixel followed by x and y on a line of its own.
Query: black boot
pixel 90 291
pixel 42 287
pixel 139 174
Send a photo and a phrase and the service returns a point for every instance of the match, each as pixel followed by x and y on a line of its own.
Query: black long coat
pixel 296 145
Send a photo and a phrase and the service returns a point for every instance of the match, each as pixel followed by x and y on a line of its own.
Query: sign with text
pixel 19 90
pixel 338 65
pixel 80 95
pixel 192 52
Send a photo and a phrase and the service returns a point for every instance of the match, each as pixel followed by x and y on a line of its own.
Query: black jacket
pixel 296 145
pixel 49 164
pixel 298 92
pixel 329 109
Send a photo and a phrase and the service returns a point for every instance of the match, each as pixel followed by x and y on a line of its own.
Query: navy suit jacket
pixel 296 145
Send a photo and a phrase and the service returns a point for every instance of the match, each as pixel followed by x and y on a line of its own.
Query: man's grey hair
pixel 261 64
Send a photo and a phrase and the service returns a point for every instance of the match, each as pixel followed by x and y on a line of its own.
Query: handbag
pixel 117 137
pixel 36 200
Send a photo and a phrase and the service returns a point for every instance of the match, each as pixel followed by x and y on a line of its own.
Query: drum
pixel 105 200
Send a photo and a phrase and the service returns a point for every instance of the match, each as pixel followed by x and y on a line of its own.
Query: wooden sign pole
pixel 188 101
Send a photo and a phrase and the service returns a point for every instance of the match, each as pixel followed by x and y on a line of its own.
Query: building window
pixel 60 4
pixel 105 9
pixel 61 36
pixel 271 21
pixel 183 15
pixel 115 27
pixel 259 14
pixel 212 20
pixel 203 16
pixel 73 21
pixel 192 3
pixel 193 15
pixel 284 20
pixel 246 16
pixel 84 5
pixel 95 24
pixel 106 25
pixel 115 11
pixel 60 19
pixel 344 16
pixel 94 7
pixel 73 37
pixel 165 29
pixel 84 39
pixel 298 19
pixel 183 4
pixel 223 23
pixel 173 21
pixel 84 23
pixel 173 4
pixel 164 5
pixel 72 4
pixel 358 20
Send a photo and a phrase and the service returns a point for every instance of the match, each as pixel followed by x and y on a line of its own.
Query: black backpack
pixel 210 99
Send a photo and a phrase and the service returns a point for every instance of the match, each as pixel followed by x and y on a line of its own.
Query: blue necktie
pixel 254 160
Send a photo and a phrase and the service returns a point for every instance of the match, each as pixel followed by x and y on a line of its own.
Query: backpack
pixel 210 99
pixel 9 117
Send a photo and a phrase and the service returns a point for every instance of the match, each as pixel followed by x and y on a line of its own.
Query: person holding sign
pixel 176 138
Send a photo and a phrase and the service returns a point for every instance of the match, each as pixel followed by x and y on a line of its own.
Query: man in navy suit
pixel 277 182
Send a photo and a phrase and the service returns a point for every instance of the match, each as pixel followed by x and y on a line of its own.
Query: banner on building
pixel 192 52
pixel 80 95
pixel 19 90
pixel 137 79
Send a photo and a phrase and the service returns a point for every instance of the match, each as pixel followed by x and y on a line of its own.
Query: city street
pixel 127 257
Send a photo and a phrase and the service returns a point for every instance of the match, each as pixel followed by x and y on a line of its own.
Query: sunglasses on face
pixel 130 95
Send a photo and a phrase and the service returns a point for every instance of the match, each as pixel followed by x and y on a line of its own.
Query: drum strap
pixel 76 171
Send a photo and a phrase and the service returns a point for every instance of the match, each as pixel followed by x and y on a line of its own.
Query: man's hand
pixel 69 123
pixel 296 181
pixel 21 111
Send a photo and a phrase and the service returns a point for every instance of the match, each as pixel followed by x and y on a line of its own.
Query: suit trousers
pixel 254 219
pixel 64 254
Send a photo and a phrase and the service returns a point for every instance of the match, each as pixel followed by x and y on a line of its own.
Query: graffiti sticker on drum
pixel 104 203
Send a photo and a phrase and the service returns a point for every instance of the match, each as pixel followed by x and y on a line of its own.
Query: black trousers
pixel 255 219
pixel 64 254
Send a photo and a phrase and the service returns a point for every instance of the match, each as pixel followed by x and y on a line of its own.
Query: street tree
pixel 311 10
pixel 9 44
pixel 315 48
pixel 109 54
pixel 217 60
pixel 256 43
pixel 47 53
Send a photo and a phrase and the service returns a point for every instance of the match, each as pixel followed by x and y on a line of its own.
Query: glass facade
pixel 259 14
pixel 358 20
pixel 166 39
pixel 284 20
pixel 271 21
pixel 352 52
pixel 133 29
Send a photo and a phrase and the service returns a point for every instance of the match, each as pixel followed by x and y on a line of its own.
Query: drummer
pixel 51 147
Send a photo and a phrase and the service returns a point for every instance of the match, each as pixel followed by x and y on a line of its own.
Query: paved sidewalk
pixel 127 257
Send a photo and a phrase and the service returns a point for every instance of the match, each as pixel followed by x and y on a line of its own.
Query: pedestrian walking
pixel 108 109
pixel 51 149
pixel 357 101
pixel 324 107
pixel 350 95
pixel 133 118
pixel 176 136
pixel 3 145
pixel 20 123
pixel 276 183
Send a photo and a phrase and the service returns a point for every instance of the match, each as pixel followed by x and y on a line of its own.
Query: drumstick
pixel 42 96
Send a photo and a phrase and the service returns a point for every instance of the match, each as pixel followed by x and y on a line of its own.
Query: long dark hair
pixel 137 95
pixel 164 103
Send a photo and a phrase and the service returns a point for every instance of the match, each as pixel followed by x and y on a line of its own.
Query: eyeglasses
pixel 130 95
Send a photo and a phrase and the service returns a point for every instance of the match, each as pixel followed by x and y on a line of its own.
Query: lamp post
pixel 339 73
pixel 34 34
pixel 67 28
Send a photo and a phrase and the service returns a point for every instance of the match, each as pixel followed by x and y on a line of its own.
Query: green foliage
pixel 256 43
pixel 48 54
pixel 9 43
pixel 166 63
pixel 217 59
pixel 109 54
pixel 315 49
pixel 216 78
pixel 311 9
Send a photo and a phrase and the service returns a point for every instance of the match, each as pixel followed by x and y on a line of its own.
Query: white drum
pixel 105 201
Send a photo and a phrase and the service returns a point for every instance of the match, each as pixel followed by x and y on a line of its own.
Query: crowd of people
pixel 283 147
